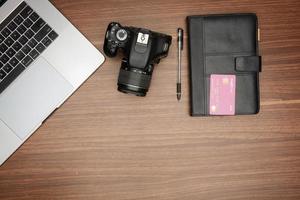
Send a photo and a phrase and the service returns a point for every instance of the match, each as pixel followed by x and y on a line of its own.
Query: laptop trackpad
pixel 32 97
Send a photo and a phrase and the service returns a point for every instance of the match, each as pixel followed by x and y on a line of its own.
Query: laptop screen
pixel 2 2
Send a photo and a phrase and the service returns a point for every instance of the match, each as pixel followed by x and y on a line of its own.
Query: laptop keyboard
pixel 24 35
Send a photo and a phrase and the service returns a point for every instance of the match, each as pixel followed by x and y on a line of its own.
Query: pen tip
pixel 178 97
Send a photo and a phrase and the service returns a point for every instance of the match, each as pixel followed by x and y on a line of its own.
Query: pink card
pixel 222 94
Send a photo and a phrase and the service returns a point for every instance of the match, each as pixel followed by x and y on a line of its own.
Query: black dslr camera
pixel 142 49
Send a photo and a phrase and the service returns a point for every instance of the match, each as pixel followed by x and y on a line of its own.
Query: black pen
pixel 180 48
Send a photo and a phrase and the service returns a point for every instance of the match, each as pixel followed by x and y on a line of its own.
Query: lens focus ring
pixel 134 79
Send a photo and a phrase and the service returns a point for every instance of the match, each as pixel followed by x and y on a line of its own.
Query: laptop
pixel 43 60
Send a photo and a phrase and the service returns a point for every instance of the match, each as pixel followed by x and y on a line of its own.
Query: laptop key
pixel 32 43
pixel 18 20
pixel 15 35
pixel 4 59
pixel 26 12
pixel 38 25
pixel 1 38
pixel 12 26
pixel 23 40
pixel 11 77
pixel 7 68
pixel 28 23
pixel 42 33
pixel 2 74
pixel 17 46
pixel 40 47
pixel 53 35
pixel 3 47
pixel 6 32
pixel 29 34
pixel 34 54
pixel 34 16
pixel 20 55
pixel 21 29
pixel 14 61
pixel 9 41
pixel 46 41
pixel 10 52
pixel 27 61
pixel 26 49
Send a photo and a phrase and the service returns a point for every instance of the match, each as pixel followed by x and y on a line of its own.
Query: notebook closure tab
pixel 248 64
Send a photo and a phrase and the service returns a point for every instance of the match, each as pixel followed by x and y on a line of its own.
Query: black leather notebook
pixel 224 64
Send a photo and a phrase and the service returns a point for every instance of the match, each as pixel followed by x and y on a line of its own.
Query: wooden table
pixel 102 144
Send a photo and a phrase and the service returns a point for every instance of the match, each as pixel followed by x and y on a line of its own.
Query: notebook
pixel 224 64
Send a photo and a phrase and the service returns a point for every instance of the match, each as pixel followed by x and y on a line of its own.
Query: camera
pixel 142 49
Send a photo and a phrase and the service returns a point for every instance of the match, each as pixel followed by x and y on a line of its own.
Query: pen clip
pixel 180 37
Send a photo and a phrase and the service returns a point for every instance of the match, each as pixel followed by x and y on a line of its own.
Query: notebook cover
pixel 226 47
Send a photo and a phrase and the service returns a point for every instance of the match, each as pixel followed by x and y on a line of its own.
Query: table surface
pixel 102 144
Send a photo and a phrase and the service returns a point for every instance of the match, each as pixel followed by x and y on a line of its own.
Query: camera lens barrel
pixel 133 82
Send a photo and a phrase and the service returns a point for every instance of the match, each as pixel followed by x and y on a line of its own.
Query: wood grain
pixel 102 144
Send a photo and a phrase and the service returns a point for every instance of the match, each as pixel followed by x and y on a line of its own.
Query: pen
pixel 180 48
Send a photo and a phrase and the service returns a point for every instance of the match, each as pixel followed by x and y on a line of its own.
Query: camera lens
pixel 133 82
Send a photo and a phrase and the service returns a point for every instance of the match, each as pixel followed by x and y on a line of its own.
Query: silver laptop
pixel 43 60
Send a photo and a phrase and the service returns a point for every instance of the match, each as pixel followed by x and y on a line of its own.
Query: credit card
pixel 222 94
